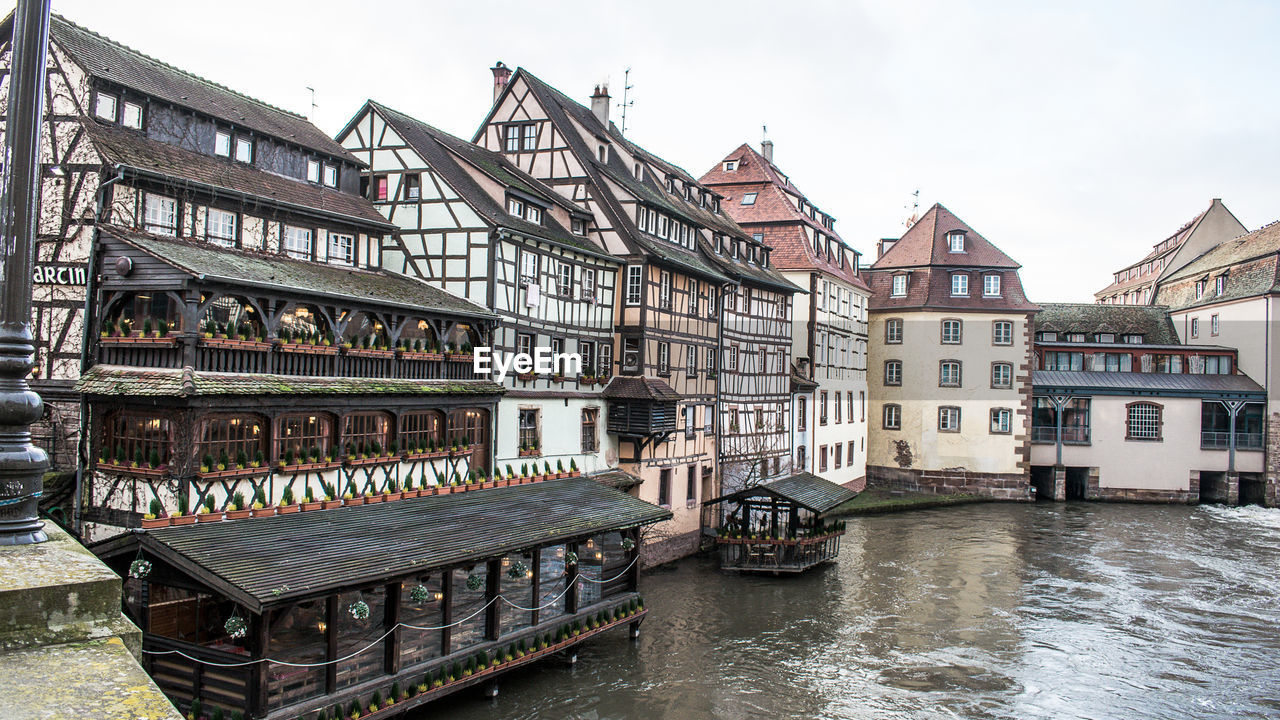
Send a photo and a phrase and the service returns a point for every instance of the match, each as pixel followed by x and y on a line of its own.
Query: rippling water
pixel 984 611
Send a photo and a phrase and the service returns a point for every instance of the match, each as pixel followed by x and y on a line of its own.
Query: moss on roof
pixel 1152 322
pixel 119 380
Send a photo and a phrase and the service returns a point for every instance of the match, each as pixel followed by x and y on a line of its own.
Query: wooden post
pixel 331 644
pixel 259 680
pixel 534 584
pixel 571 582
pixel 446 612
pixel 391 621
pixel 633 574
pixel 493 615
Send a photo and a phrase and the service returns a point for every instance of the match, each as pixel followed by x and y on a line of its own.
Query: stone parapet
pixel 1010 486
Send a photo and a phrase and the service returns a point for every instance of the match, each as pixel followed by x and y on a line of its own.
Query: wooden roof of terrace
pixel 805 489
pixel 134 382
pixel 262 562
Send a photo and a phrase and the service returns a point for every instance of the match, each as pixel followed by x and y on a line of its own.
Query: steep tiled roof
pixel 109 60
pixel 634 387
pixel 1152 322
pixel 1158 250
pixel 804 489
pixel 119 146
pixel 1263 241
pixel 773 213
pixel 278 271
pixel 925 243
pixel 1251 264
pixel 443 152
pixel 122 381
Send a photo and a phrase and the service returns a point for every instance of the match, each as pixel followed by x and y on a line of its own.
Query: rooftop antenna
pixel 915 209
pixel 312 117
pixel 626 103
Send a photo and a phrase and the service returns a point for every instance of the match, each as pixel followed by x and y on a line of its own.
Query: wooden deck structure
pixel 294 615
pixel 778 527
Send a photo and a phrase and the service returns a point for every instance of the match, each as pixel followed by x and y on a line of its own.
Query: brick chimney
pixel 766 149
pixel 501 74
pixel 600 104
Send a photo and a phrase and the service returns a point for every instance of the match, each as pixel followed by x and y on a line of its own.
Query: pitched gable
pixel 925 243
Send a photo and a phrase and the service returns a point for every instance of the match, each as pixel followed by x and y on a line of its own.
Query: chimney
pixel 766 149
pixel 600 104
pixel 501 74
pixel 885 245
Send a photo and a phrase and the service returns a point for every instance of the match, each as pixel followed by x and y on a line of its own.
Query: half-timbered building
pixel 659 220
pixel 951 389
pixel 828 330
pixel 471 222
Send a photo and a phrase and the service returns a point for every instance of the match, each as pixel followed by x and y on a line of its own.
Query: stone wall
pixel 662 550
pixel 1273 460
pixel 58 433
pixel 1010 486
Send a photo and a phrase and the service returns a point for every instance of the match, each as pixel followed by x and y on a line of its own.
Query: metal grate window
pixel 1144 422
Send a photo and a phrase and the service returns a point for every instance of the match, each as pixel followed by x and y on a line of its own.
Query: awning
pixel 269 561
pixel 804 489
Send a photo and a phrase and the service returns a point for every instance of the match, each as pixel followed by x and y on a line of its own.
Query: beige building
pixel 950 363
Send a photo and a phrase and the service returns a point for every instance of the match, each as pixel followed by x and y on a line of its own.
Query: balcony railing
pixel 1070 435
pixel 777 554
pixel 1214 440
pixel 276 358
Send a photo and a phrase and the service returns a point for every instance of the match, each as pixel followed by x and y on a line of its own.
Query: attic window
pixel 313 171
pixel 132 116
pixel 758 237
pixel 639 172
pixel 1220 285
pixel 730 165
pixel 244 149
pixel 1105 337
pixel 749 199
pixel 955 242
pixel 578 226
pixel 105 108
pixel 604 154
pixel 899 286
pixel 1075 337
pixel 221 143
pixel 331 175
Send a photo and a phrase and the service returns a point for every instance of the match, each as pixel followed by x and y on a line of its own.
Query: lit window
pixel 297 242
pixel 106 107
pixel 1143 422
pixel 893 372
pixel 1002 332
pixel 959 284
pixel 955 242
pixel 991 285
pixel 1001 375
pixel 899 285
pixel 1001 420
pixel 222 144
pixel 221 227
pixel 132 116
pixel 161 215
pixel 330 175
pixel 951 332
pixel 950 374
pixel 244 149
pixel 341 249
pixel 948 419
pixel 749 198
pixel 313 171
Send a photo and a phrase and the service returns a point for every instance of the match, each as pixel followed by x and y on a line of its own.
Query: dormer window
pixel 1199 289
pixel 313 171
pixel 533 214
pixel 955 242
pixel 603 153
pixel 132 116
pixel 899 286
pixel 222 144
pixel 331 175
pixel 716 205
pixel 515 207
pixel 244 149
pixel 105 108
pixel 960 285
pixel 1105 337
pixel 639 172
pixel 719 244
pixel 991 286
pixel 758 237
pixel 1220 285
pixel 730 165
pixel 749 198
pixel 578 226
pixel 1075 337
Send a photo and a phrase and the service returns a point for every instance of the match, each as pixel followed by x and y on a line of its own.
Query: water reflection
pixel 988 611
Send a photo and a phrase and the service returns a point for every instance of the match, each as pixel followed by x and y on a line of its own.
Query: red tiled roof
pixel 930 287
pixel 925 243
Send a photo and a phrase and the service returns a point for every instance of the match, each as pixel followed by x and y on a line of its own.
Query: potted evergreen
pixel 309 501
pixel 238 510
pixel 155 517
pixel 351 497
pixel 208 512
pixel 260 508
pixel 392 493
pixel 573 468
pixel 287 505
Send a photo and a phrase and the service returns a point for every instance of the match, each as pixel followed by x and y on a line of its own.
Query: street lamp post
pixel 22 465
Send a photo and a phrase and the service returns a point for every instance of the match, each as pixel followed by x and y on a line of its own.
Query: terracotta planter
pixel 309 506
pixel 330 504
pixel 209 517
pixel 443 489
pixel 184 520
pixel 268 511
pixel 153 523
pixel 408 494
pixel 487 484
pixel 392 496
pixel 288 509
pixel 373 499
pixel 238 514
pixel 353 501
pixel 575 473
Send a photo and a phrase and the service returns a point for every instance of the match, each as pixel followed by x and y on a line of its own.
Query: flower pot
pixel 392 496
pixel 575 473
pixel 208 517
pixel 443 489
pixel 238 514
pixel 267 511
pixel 184 520
pixel 353 501
pixel 309 506
pixel 371 499
pixel 288 509
pixel 330 504
pixel 152 523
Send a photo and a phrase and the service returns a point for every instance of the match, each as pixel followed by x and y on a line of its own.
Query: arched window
pixel 300 435
pixel 462 338
pixel 421 431
pixel 366 433
pixel 232 441
pixel 136 440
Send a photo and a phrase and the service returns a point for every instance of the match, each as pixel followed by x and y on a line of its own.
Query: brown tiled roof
pixel 131 149
pixel 1251 264
pixel 1143 279
pixel 635 387
pixel 1152 322
pixel 107 59
pixel 123 381
pixel 925 243
pixel 930 287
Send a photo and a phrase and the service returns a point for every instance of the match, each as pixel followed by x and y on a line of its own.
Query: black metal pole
pixel 22 465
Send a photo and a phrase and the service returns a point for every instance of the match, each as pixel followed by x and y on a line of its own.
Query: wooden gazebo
pixel 780 527
pixel 295 615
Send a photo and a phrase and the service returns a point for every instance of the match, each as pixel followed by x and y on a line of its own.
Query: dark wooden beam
pixel 391 621
pixel 331 644
pixel 446 612
pixel 493 615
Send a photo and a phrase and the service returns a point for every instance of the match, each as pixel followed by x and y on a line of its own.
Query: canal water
pixel 1076 610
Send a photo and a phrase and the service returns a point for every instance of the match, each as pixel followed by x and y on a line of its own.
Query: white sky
pixel 1073 135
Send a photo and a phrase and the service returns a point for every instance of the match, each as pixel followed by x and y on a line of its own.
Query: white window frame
pixel 664 358
pixel 529 261
pixel 298 242
pixel 245 144
pixel 664 290
pixel 342 249
pixel 588 289
pixel 691 359
pixel 635 285
pixel 1001 375
pixel 106 106
pixel 131 116
pixel 948 419
pixel 893 373
pixel 160 215
pixel 991 286
pixel 899 286
pixel 950 373
pixel 220 227
pixel 892 417
pixel 1001 421
pixel 959 284
pixel 958 335
pixel 564 279
pixel 893 331
pixel 222 143
pixel 330 175
pixel 313 170
pixel 955 242
pixel 749 198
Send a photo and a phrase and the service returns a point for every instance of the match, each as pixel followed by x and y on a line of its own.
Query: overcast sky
pixel 1073 135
